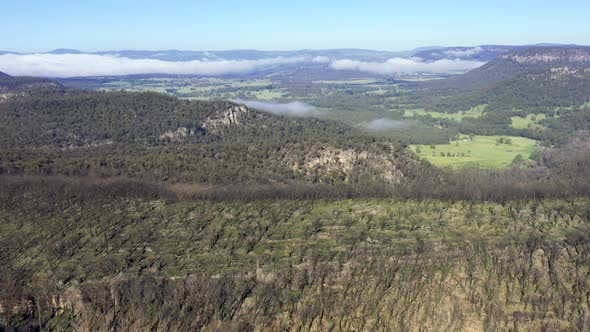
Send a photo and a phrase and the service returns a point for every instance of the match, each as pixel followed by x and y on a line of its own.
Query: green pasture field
pixel 475 112
pixel 481 150
pixel 530 121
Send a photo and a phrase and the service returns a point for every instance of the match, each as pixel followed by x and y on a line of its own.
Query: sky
pixel 41 25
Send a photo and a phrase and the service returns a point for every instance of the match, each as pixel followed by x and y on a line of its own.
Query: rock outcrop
pixel 564 55
pixel 220 120
pixel 327 164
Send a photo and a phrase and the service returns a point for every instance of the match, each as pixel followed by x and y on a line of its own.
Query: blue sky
pixel 280 25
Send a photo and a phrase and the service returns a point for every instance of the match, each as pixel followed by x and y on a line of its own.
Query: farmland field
pixel 483 150
pixel 475 112
pixel 531 121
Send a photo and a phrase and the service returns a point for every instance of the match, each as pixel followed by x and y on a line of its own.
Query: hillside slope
pixel 11 84
pixel 88 259
pixel 537 79
pixel 161 138
pixel 511 64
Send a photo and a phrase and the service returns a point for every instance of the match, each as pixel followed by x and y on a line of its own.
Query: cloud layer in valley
pixel 385 124
pixel 292 109
pixel 321 59
pixel 71 65
pixel 464 52
pixel 409 65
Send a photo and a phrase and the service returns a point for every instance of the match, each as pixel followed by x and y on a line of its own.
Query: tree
pixel 518 159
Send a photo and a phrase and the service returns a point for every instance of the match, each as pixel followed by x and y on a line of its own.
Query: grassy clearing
pixel 199 88
pixel 474 112
pixel 482 150
pixel 267 94
pixel 530 122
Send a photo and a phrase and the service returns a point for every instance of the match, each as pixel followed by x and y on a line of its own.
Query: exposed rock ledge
pixel 220 120
pixel 330 161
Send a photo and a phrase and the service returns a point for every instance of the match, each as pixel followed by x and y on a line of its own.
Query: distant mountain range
pixel 429 53
pixel 519 61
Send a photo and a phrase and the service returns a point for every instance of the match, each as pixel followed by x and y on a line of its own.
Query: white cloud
pixel 321 59
pixel 293 109
pixel 464 53
pixel 385 124
pixel 70 65
pixel 407 65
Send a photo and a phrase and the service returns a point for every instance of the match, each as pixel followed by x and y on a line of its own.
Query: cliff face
pixel 6 96
pixel 220 120
pixel 216 123
pixel 331 164
pixel 550 56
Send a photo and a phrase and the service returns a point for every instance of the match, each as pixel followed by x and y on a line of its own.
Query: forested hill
pixel 10 85
pixel 161 138
pixel 512 64
pixel 537 80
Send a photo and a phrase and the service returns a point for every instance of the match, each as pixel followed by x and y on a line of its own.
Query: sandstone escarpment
pixel 328 164
pixel 231 116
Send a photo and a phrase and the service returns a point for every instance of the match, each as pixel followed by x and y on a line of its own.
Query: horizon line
pixel 541 44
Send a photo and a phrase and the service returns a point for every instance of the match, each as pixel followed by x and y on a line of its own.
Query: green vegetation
pixel 530 121
pixel 474 112
pixel 265 94
pixel 486 151
pixel 190 88
pixel 87 256
pixel 161 138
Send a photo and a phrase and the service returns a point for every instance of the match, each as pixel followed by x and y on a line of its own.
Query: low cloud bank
pixel 292 109
pixel 464 53
pixel 381 124
pixel 409 65
pixel 321 59
pixel 71 65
